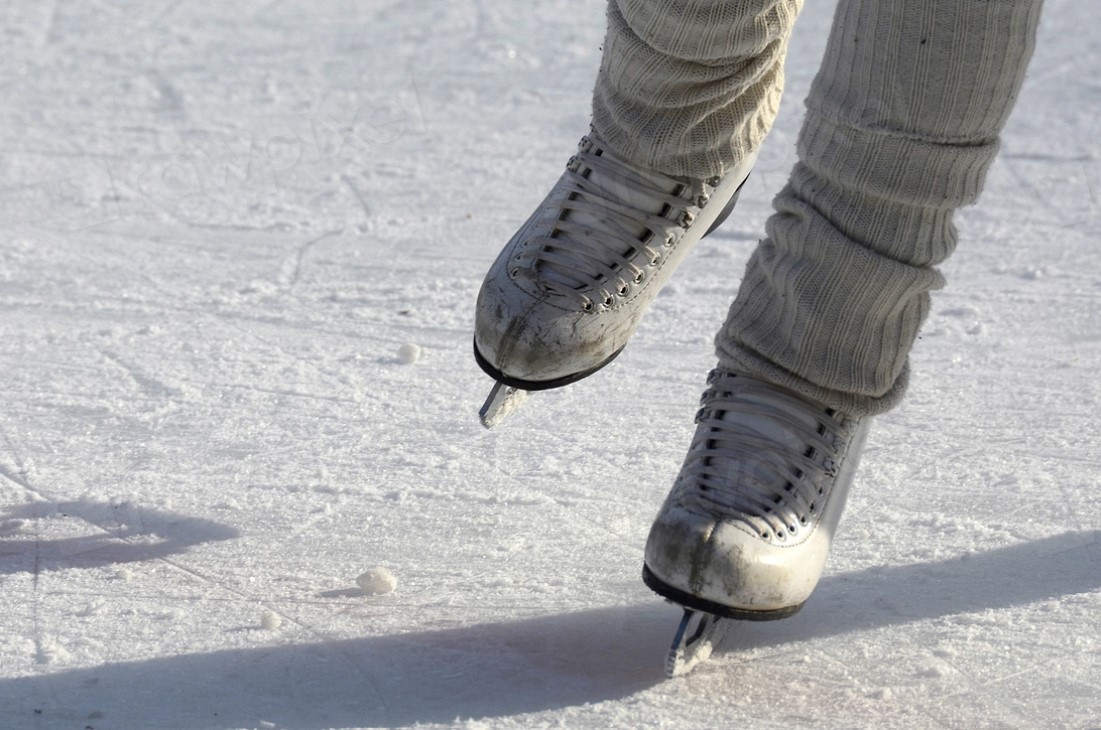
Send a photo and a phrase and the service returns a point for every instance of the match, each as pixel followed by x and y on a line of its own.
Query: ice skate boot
pixel 569 289
pixel 747 527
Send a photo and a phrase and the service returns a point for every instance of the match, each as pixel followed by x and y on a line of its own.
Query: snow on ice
pixel 377 581
pixel 228 229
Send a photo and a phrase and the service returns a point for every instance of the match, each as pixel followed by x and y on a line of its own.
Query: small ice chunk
pixel 377 581
pixel 270 620
pixel 410 353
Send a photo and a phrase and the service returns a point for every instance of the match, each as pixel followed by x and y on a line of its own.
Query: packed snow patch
pixel 377 581
pixel 410 353
pixel 270 620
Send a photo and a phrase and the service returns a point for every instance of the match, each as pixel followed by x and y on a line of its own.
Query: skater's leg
pixel 691 87
pixel 687 89
pixel 902 124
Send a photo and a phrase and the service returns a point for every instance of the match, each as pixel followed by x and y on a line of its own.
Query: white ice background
pixel 239 248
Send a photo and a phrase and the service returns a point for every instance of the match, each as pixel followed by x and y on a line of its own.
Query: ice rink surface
pixel 239 250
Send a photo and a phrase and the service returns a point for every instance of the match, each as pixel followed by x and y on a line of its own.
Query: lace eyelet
pixel 639 277
pixel 624 290
pixel 669 241
pixel 513 273
pixel 587 305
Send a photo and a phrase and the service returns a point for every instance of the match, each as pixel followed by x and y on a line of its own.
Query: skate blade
pixel 696 637
pixel 502 402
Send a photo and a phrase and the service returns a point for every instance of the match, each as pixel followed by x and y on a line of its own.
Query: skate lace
pixel 766 458
pixel 602 244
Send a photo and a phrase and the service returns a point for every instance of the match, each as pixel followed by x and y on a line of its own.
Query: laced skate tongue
pixel 777 431
pixel 616 187
pixel 787 431
pixel 607 186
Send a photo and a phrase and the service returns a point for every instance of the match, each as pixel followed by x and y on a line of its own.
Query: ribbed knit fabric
pixel 902 125
pixel 689 87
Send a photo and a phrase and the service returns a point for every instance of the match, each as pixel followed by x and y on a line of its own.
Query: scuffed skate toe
pixel 747 526
pixel 557 352
pixel 722 568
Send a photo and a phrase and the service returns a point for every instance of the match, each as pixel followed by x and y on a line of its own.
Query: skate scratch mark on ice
pixel 1089 186
pixel 49 34
pixel 973 686
pixel 112 532
pixel 154 388
pixel 384 255
pixel 571 509
pixel 320 637
pixel 976 689
pixel 200 225
pixel 309 362
pixel 39 644
pixel 172 101
pixel 1012 164
pixel 19 478
pixel 305 326
pixel 358 194
pixel 286 391
pixel 291 270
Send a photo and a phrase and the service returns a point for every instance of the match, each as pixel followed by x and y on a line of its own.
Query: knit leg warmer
pixel 902 124
pixel 690 87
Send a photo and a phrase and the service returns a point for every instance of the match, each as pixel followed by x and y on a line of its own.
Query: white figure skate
pixel 746 529
pixel 569 289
